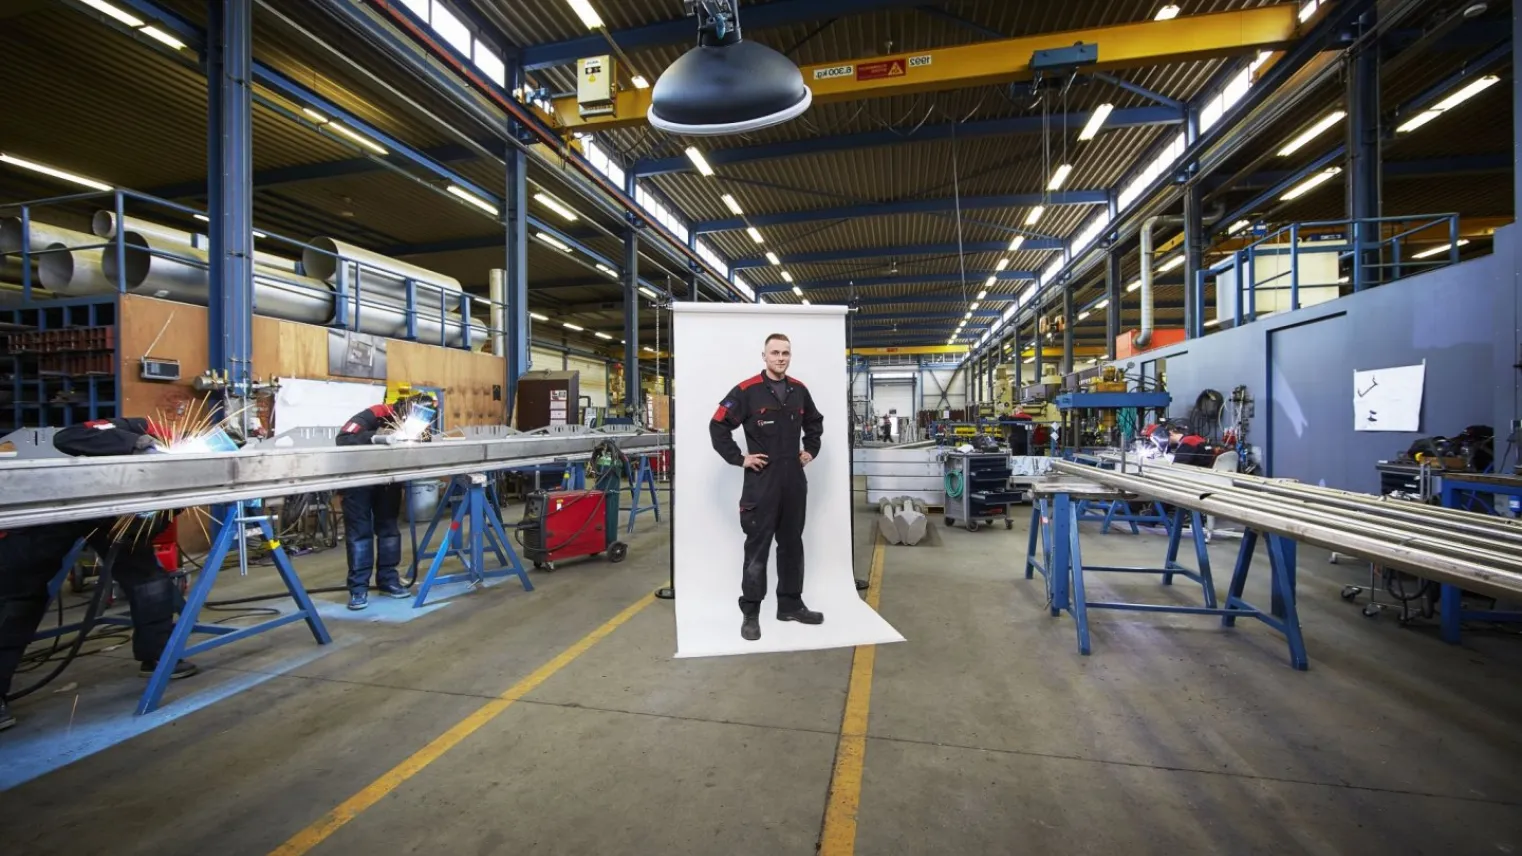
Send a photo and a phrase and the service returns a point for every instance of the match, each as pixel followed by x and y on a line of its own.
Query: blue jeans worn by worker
pixel 371 535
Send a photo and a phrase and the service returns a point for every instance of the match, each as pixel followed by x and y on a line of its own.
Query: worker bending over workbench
pixel 31 557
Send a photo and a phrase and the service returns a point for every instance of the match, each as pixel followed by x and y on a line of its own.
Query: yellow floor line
pixel 303 841
pixel 839 835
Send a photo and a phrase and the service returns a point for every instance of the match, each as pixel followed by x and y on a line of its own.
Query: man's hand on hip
pixel 804 458
pixel 755 462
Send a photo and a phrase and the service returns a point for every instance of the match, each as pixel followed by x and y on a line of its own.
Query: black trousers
pixel 371 534
pixel 30 558
pixel 773 505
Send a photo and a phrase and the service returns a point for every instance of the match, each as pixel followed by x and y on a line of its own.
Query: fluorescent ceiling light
pixel 806 302
pixel 1466 93
pixel 772 257
pixel 1310 184
pixel 554 204
pixel 1167 13
pixel 118 14
pixel 584 11
pixel 1101 304
pixel 1171 263
pixel 607 270
pixel 1096 121
pixel 569 326
pixel 650 349
pixel 1313 132
pixel 1059 176
pixel 159 35
pixel 1003 263
pixel 699 161
pixel 466 195
pixel 640 82
pixel 1031 218
pixel 754 233
pixel 537 317
pixel 988 283
pixel 798 291
pixel 982 294
pixel 1308 10
pixel 1083 315
pixel 650 293
pixel 1133 286
pixel 974 306
pixel 258 234
pixel 56 173
pixel 550 240
pixel 968 316
pixel 1237 227
pixel 1015 244
pixel 787 277
pixel 1417 121
pixel 1427 254
pixel 601 335
pixel 361 139
pixel 729 201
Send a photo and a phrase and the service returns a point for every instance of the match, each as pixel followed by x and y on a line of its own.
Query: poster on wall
pixel 1388 399
pixel 303 403
pixel 732 520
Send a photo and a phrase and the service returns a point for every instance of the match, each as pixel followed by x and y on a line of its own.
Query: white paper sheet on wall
pixel 1388 399
pixel 305 403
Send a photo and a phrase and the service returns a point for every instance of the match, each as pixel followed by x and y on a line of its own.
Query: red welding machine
pixel 565 524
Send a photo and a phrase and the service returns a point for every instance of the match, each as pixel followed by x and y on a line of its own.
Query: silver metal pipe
pixel 103 224
pixel 1392 509
pixel 1436 540
pixel 496 292
pixel 1469 574
pixel 42 234
pixel 1144 335
pixel 374 273
pixel 72 273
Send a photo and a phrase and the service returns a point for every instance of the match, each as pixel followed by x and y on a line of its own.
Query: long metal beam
pixel 900 252
pixel 975 280
pixel 993 63
pixel 1130 117
pixel 779 13
pixel 52 490
pixel 905 206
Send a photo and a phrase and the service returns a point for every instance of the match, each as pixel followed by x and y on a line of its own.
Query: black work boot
pixel 750 628
pixel 182 669
pixel 359 599
pixel 396 590
pixel 802 615
pixel 6 720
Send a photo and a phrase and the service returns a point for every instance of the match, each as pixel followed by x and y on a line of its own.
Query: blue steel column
pixel 516 290
pixel 1194 244
pixel 1363 147
pixel 1114 289
pixel 229 60
pixel 632 397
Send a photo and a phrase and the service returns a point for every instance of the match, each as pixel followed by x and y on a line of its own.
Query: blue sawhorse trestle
pixel 641 480
pixel 1111 511
pixel 1465 495
pixel 231 534
pixel 474 527
pixel 1060 561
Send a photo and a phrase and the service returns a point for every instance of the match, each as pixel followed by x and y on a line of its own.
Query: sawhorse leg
pixel 643 478
pixel 485 531
pixel 1281 553
pixel 232 521
pixel 1066 526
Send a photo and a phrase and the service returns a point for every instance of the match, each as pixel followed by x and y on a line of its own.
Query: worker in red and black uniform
pixel 372 535
pixel 31 557
pixel 1186 447
pixel 775 410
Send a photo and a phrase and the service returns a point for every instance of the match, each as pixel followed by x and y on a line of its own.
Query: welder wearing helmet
pixel 372 536
pixel 775 410
pixel 1186 446
pixel 31 557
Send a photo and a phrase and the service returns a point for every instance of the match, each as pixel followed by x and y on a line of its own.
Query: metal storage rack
pixel 58 362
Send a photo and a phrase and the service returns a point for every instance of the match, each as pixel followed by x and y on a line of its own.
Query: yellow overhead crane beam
pixel 1146 43
pixel 911 350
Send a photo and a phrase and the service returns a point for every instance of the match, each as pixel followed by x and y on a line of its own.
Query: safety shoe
pixel 359 599
pixel 802 616
pixel 182 669
pixel 750 628
pixel 396 590
pixel 6 720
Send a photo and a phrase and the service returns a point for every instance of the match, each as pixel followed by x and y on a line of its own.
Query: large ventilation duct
pixel 1144 335
pixel 496 292
pixel 379 275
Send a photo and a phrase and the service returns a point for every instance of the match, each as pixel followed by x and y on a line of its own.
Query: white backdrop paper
pixel 302 403
pixel 1388 399
pixel 719 345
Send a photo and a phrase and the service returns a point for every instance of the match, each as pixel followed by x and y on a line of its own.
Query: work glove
pixel 145 443
pixel 383 439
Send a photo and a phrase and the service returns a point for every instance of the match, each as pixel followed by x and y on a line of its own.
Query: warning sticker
pixel 833 71
pixel 880 69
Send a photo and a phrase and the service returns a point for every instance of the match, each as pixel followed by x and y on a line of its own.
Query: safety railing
pixel 1274 273
pixel 140 244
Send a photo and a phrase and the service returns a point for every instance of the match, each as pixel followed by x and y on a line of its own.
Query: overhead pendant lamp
pixel 726 85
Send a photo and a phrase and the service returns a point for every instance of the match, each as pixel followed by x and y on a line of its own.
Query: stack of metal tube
pixel 1475 551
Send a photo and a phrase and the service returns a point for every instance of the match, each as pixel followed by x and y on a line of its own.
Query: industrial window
pixel 418 8
pixel 490 64
pixel 744 287
pixel 452 29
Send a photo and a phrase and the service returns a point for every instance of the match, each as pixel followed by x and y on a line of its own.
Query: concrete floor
pixel 988 732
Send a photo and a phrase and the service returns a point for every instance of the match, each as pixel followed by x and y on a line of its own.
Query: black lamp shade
pixel 730 89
